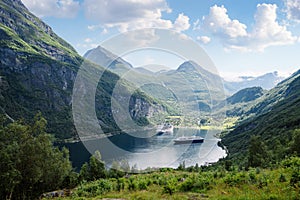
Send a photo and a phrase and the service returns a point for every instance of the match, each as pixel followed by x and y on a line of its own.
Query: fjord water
pixel 152 151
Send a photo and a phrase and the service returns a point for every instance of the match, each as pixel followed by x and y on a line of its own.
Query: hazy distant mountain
pixel 144 71
pixel 259 101
pixel 190 85
pixel 266 81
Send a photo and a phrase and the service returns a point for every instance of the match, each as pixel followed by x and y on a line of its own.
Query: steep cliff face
pixel 38 70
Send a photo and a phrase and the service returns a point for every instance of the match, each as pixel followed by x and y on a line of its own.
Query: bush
pixel 263 181
pixel 202 184
pixel 120 184
pixel 187 185
pixel 252 177
pixel 169 188
pixel 95 188
pixel 282 178
pixel 235 179
pixel 295 179
pixel 132 185
pixel 142 185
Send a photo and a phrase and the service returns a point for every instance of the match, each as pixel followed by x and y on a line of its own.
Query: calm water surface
pixel 150 151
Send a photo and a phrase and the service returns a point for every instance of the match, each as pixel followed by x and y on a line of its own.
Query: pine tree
pixel 258 155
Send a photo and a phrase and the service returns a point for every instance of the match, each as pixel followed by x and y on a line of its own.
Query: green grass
pixel 14 42
pixel 205 183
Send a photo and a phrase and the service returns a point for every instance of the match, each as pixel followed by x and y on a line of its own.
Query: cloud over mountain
pixel 233 34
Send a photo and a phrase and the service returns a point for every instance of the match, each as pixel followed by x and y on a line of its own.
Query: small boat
pixel 189 140
pixel 165 129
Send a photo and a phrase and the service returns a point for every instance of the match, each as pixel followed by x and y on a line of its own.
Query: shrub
pixel 132 185
pixel 263 181
pixel 96 188
pixel 187 185
pixel 295 179
pixel 235 179
pixel 142 185
pixel 282 178
pixel 202 183
pixel 169 188
pixel 120 184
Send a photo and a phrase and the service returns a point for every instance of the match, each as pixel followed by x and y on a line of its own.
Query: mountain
pixel 105 58
pixel 275 116
pixel 197 86
pixel 239 103
pixel 262 101
pixel 144 71
pixel 189 90
pixel 38 70
pixel 189 76
pixel 246 95
pixel 266 81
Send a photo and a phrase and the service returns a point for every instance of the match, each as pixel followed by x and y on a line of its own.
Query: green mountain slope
pixel 38 70
pixel 191 91
pixel 277 116
pixel 239 103
pixel 245 95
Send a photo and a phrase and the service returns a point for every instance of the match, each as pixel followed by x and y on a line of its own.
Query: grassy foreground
pixel 282 182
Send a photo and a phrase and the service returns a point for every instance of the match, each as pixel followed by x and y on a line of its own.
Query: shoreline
pixel 107 135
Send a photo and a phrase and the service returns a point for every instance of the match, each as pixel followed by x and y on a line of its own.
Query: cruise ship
pixel 189 140
pixel 165 129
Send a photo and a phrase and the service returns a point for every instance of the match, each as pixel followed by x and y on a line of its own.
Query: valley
pixel 87 127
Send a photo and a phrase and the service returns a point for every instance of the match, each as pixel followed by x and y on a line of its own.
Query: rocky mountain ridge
pixel 38 70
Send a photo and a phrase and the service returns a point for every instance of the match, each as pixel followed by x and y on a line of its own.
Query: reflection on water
pixel 152 151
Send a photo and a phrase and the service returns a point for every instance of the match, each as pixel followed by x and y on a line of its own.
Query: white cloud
pixel 265 32
pixel 88 40
pixel 54 8
pixel 293 9
pixel 182 23
pixel 140 38
pixel 128 14
pixel 93 27
pixel 204 39
pixel 219 23
pixel 87 44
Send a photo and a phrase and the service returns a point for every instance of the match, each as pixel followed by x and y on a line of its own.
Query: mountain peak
pixel 188 66
pixel 104 57
pixel 19 26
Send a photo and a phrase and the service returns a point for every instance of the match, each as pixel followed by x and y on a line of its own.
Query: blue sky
pixel 249 37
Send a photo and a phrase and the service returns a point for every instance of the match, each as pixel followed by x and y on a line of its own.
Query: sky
pixel 242 37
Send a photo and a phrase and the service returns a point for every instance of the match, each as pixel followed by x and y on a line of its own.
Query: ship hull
pixel 188 141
